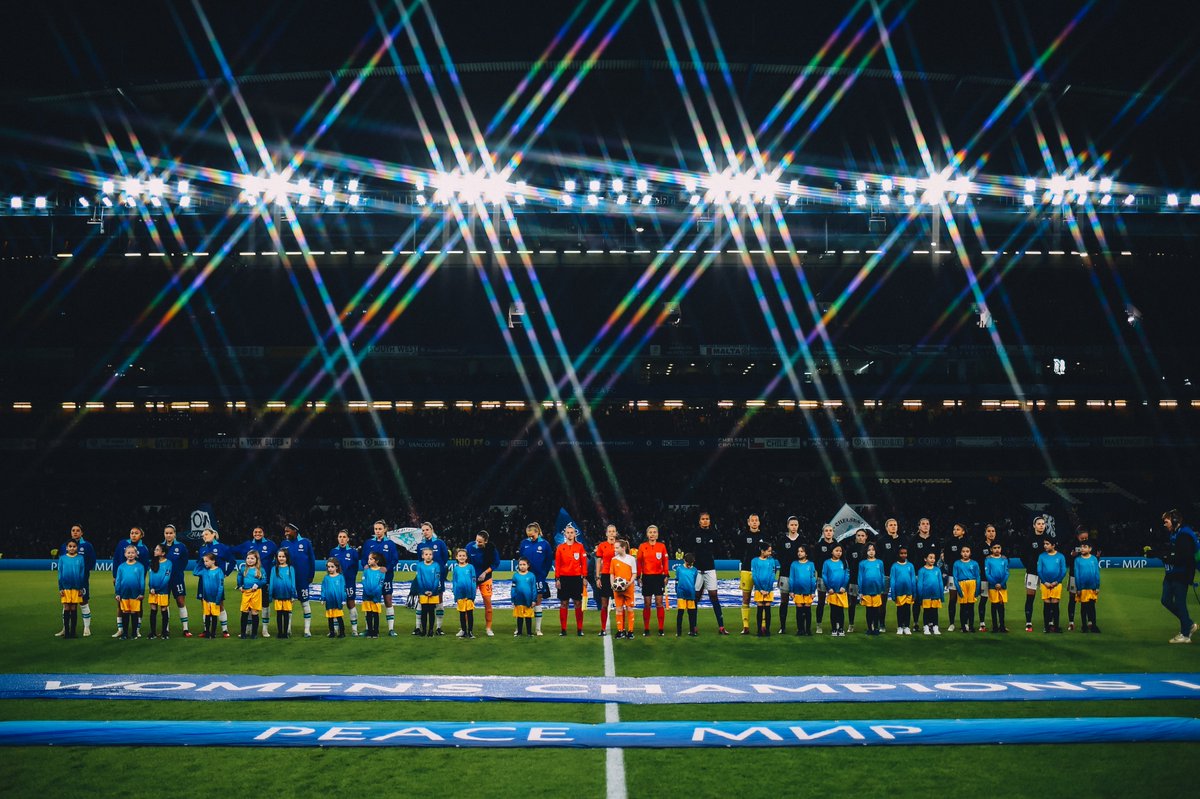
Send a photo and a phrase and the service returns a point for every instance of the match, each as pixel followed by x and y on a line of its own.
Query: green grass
pixel 1134 640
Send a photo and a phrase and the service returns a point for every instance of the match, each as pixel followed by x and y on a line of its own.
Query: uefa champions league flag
pixel 202 519
pixel 561 523
pixel 406 537
pixel 847 521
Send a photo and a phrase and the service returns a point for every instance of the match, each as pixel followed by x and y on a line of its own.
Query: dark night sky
pixel 1123 81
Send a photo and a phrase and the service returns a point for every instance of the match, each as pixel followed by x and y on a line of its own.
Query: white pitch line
pixel 614 766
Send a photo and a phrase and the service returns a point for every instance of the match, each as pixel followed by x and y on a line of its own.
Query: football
pixel 620 583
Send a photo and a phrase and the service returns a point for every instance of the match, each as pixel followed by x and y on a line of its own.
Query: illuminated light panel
pixel 381 405
pixel 786 403
pixel 1129 199
pixel 125 406
pixel 465 405
pixel 276 405
pixel 912 405
pixel 181 405
pixel 1172 200
pixel 39 203
pixel 569 185
pixel 1096 403
pixel 1065 403
pixel 433 404
pixel 831 403
pixel 1168 403
pixel 725 404
pixel 807 405
pixel 68 406
pixel 755 403
pixel 642 185
pixel 15 203
pixel 515 405
pixel 1027 200
pixel 22 406
pixel 403 404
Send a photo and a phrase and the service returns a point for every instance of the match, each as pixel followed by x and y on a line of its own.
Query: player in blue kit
pixel 129 586
pixel 160 591
pixel 762 580
pixel 995 569
pixel 389 552
pixel 540 554
pixel 373 578
pixel 72 576
pixel 902 589
pixel 212 588
pixel 1087 583
pixel 252 582
pixel 143 557
pixel 441 556
pixel 282 589
pixel 177 553
pixel 333 595
pixel 266 549
pixel 836 577
pixel 871 580
pixel 524 596
pixel 1051 570
pixel 686 575
pixel 483 555
pixel 225 559
pixel 304 563
pixel 428 584
pixel 930 587
pixel 464 586
pixel 347 557
pixel 966 578
pixel 88 553
pixel 802 583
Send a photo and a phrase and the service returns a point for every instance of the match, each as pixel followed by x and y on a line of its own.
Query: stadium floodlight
pixel 39 203
pixel 419 183
pixel 352 185
pixel 303 200
pixel 15 203
pixel 155 201
pixel 689 185
pixel 1106 199
pixel 618 184
pixel 910 185
pixel 884 200
pixel 421 200
pixel 1027 200
pixel 132 186
pixel 566 200
pixel 1056 199
pixel 185 201
pixel 354 200
pixel 83 202
pixel 593 186
pixel 1194 201
pixel 277 188
pixel 108 203
pixel 1081 185
pixel 860 185
pixel 643 185
pixel 860 199
pixel 1105 185
pixel 1172 200
pixel 885 185
pixel 695 200
pixel 935 188
pixel 130 201
pixel 108 187
pixel 593 200
pixel 1030 185
pixel 622 199
pixel 156 187
pixel 961 185
pixel 910 200
pixel 569 185
pixel 794 187
pixel 962 200
pixel 303 186
pixel 520 199
pixel 647 199
pixel 1130 199
pixel 1058 184
pixel 328 200
pixel 183 187
pixel 327 185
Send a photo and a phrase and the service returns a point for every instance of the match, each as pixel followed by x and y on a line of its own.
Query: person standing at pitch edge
pixel 1180 573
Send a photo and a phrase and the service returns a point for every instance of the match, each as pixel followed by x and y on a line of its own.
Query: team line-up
pixel 917 575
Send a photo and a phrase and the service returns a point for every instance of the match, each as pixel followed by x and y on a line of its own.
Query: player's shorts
pixel 903 599
pixel 157 600
pixel 522 612
pixel 1088 595
pixel 746 581
pixel 1052 593
pixel 624 598
pixel 178 589
pixel 872 601
pixel 252 600
pixel 984 587
pixel 130 605
pixel 1031 582
pixel 998 596
pixel 785 586
pixel 485 590
pixel 685 604
pixel 852 590
pixel 820 585
pixel 802 600
pixel 211 608
pixel 931 604
pixel 465 605
pixel 570 587
pixel 838 599
pixel 966 591
pixel 543 589
pixel 371 606
pixel 389 588
pixel 334 613
pixel 654 584
pixel 604 587
pixel 1071 584
pixel 302 594
pixel 436 599
pixel 72 596
pixel 763 598
pixel 284 605
pixel 706 580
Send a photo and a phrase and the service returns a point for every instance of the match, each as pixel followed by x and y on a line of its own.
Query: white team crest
pixel 658 556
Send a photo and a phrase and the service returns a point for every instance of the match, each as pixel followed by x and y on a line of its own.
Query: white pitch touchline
pixel 614 765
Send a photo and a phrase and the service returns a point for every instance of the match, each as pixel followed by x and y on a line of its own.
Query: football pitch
pixel 1135 629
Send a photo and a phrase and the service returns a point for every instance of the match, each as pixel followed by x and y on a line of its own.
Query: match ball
pixel 620 583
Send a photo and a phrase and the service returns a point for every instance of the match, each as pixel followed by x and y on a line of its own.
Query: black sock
pixel 1071 607
pixel 716 603
pixel 67 623
pixel 1057 615
pixel 1001 606
pixel 341 626
pixel 245 622
pixel 679 622
pixel 767 609
pixel 983 603
pixel 470 621
pixel 692 621
pixel 953 606
pixel 853 609
pixel 462 622
pixel 166 617
pixel 254 620
pixel 783 614
pixel 820 608
pixel 758 619
pixel 1029 610
pixel 154 621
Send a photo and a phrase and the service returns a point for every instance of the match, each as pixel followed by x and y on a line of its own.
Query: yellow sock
pixel 745 617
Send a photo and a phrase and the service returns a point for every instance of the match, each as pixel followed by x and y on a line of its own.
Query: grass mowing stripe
pixel 614 759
